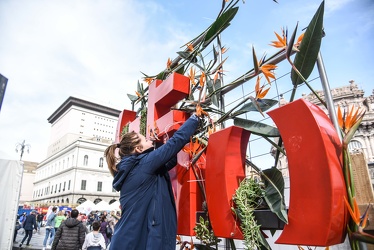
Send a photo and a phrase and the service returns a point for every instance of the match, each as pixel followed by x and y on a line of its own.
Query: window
pixel 59 188
pixel 354 145
pixel 81 200
pixel 64 186
pixel 85 160
pixel 101 161
pixel 83 185
pixel 51 189
pixel 99 186
pixel 56 188
pixel 69 185
pixel 67 200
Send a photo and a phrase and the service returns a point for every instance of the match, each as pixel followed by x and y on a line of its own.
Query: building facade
pixel 75 169
pixel 363 140
pixel 28 177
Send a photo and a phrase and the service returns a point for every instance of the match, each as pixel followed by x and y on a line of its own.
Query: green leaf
pixel 291 42
pixel 187 56
pixel 221 23
pixel 255 61
pixel 257 128
pixel 211 89
pixel 274 192
pixel 132 98
pixel 309 48
pixel 264 105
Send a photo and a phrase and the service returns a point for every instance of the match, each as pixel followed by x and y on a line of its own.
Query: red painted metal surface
pixel 225 161
pixel 162 96
pixel 317 214
pixel 125 117
pixel 189 198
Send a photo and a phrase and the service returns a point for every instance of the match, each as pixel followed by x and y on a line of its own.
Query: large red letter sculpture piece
pixel 225 169
pixel 317 215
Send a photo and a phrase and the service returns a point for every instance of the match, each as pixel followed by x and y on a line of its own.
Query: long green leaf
pixel 264 105
pixel 257 128
pixel 187 56
pixel 221 23
pixel 132 98
pixel 309 48
pixel 211 89
pixel 274 192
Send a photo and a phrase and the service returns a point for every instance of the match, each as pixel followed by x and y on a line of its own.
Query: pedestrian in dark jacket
pixel 148 218
pixel 29 225
pixel 70 235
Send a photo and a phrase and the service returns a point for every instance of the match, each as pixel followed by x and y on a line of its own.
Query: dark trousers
pixel 15 235
pixel 28 233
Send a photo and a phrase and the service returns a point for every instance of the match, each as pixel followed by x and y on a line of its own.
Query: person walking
pixel 148 218
pixel 94 240
pixel 39 219
pixel 59 219
pixel 71 234
pixel 103 225
pixel 29 225
pixel 50 227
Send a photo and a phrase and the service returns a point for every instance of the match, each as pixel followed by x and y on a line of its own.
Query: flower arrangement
pixel 205 96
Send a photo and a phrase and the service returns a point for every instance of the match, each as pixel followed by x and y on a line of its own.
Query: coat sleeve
pixel 82 234
pixel 159 157
pixel 57 238
pixel 35 225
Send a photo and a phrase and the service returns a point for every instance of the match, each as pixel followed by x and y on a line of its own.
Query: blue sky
pixel 51 50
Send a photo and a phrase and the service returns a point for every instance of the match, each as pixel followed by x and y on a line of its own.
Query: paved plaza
pixel 35 243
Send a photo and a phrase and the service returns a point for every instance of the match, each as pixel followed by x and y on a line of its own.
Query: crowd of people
pixel 68 230
pixel 140 174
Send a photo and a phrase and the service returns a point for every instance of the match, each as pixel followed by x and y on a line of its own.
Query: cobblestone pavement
pixel 36 241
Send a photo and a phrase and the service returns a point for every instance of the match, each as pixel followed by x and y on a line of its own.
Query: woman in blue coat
pixel 148 219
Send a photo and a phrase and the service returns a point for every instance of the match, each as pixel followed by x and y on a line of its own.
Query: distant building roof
pixel 73 101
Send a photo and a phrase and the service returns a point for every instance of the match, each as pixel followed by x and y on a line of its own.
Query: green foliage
pixel 205 233
pixel 306 58
pixel 257 128
pixel 274 192
pixel 246 199
pixel 221 23
pixel 143 122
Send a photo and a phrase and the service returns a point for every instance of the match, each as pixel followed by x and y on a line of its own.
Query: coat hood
pixel 71 222
pixel 125 166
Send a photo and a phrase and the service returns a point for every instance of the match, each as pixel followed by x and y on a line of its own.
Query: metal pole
pixel 328 96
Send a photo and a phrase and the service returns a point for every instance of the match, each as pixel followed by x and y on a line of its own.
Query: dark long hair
pixel 126 147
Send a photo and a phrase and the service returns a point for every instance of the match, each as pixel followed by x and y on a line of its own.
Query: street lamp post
pixel 21 147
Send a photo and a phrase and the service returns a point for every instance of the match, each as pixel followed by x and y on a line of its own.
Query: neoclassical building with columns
pixel 75 169
pixel 363 140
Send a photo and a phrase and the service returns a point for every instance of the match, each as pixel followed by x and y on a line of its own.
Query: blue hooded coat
pixel 148 218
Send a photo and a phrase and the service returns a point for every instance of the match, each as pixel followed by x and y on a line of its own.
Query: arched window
pixel 62 201
pixel 97 200
pixel 101 161
pixel 67 200
pixel 111 201
pixel 80 200
pixel 354 145
pixel 85 160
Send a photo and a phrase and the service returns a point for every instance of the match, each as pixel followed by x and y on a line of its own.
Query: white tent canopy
pixel 102 206
pixel 86 207
pixel 115 206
